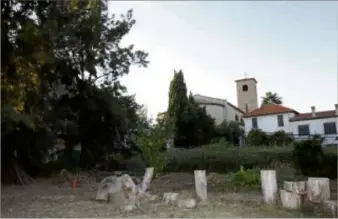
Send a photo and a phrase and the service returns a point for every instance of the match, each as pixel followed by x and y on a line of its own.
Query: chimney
pixel 336 107
pixel 313 110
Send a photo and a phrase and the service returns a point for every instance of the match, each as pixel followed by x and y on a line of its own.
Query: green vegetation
pixel 271 98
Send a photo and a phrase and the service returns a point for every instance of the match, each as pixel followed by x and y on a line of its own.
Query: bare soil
pixel 47 198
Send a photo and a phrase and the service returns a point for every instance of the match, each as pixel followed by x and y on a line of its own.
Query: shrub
pixel 309 156
pixel 256 137
pixel 151 144
pixel 280 138
pixel 221 159
pixel 249 178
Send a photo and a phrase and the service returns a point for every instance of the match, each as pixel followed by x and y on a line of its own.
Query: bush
pixel 280 138
pixel 311 160
pixel 256 137
pixel 151 145
pixel 221 159
pixel 249 178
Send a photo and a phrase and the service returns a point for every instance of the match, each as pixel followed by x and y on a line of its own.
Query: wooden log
pixel 201 184
pixel 148 175
pixel 295 187
pixel 170 198
pixel 318 189
pixel 269 186
pixel 290 200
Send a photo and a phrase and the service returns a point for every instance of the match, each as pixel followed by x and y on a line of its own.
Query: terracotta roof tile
pixel 268 109
pixel 319 115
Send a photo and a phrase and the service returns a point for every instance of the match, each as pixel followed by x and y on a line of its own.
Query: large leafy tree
pixel 60 75
pixel 271 98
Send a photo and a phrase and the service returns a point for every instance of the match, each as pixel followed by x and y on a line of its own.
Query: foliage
pixel 280 138
pixel 61 74
pixel 256 137
pixel 311 160
pixel 190 123
pixel 221 159
pixel 230 131
pixel 249 178
pixel 151 144
pixel 271 98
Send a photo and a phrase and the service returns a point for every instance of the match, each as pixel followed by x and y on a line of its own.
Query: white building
pixel 270 118
pixel 219 109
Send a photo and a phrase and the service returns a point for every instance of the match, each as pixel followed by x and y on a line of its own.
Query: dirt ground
pixel 47 198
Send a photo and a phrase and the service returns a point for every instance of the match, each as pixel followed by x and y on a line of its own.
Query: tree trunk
pixel 318 189
pixel 13 173
pixel 290 200
pixel 201 184
pixel 269 186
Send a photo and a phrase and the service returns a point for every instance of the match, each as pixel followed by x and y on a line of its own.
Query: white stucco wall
pixel 218 112
pixel 316 126
pixel 269 123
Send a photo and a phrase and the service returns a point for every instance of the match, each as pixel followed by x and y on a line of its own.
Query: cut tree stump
pixel 170 198
pixel 295 187
pixel 290 200
pixel 148 175
pixel 332 207
pixel 318 189
pixel 201 184
pixel 269 186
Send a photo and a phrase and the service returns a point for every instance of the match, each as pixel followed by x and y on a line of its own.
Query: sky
pixel 290 47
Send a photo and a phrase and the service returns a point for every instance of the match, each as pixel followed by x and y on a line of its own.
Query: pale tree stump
pixel 201 184
pixel 148 175
pixel 296 187
pixel 318 189
pixel 170 198
pixel 269 186
pixel 332 207
pixel 290 200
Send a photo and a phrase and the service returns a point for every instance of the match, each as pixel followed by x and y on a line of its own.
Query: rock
pixel 291 200
pixel 186 203
pixel 332 207
pixel 295 187
pixel 318 189
pixel 107 186
pixel 170 197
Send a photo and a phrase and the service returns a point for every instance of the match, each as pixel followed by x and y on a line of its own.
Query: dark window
pixel 330 128
pixel 236 118
pixel 303 130
pixel 280 120
pixel 254 123
pixel 245 87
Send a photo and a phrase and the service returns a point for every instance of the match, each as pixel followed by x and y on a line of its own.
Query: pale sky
pixel 289 47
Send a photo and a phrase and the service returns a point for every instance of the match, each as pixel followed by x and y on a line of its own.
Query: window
pixel 245 87
pixel 330 128
pixel 303 130
pixel 280 120
pixel 236 118
pixel 254 123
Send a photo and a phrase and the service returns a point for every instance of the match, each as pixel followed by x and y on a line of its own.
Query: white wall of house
pixel 218 109
pixel 316 126
pixel 269 123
